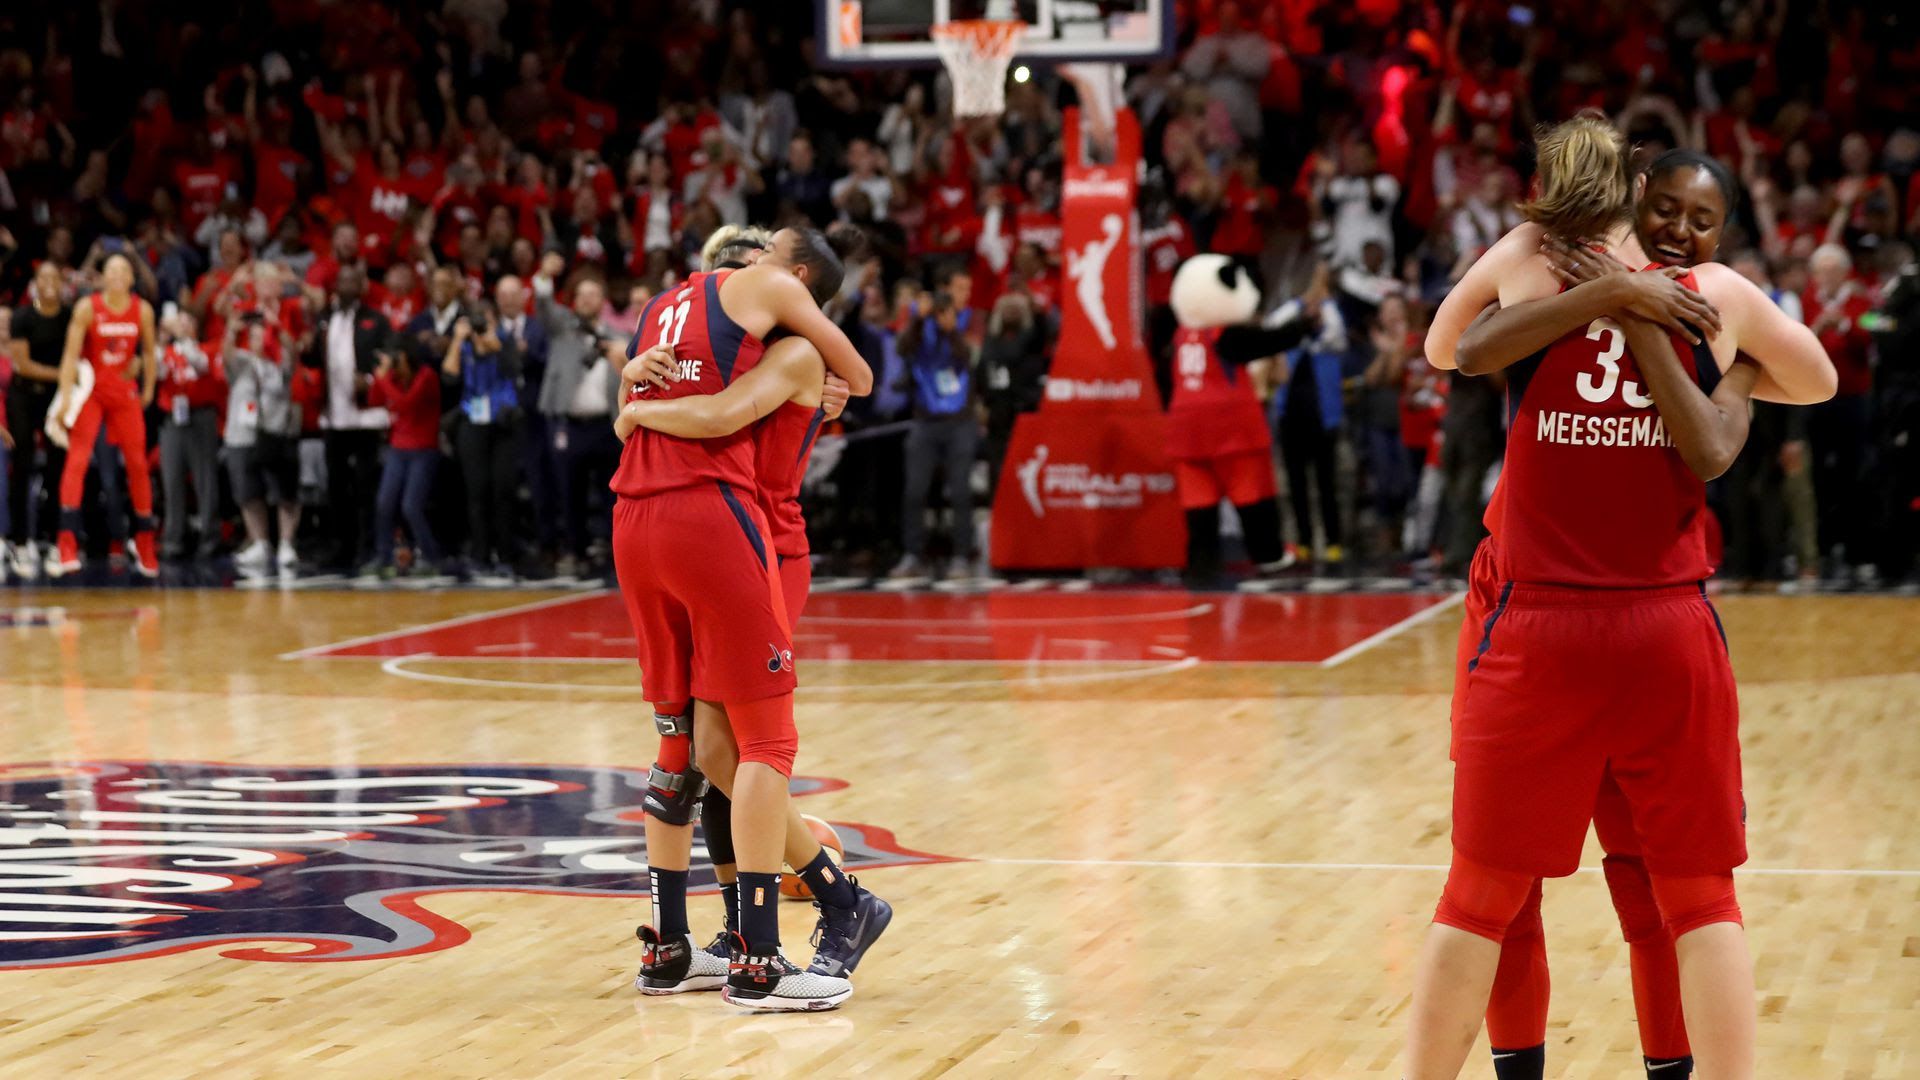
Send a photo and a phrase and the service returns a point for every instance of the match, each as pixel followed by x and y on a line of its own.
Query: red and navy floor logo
pixel 116 860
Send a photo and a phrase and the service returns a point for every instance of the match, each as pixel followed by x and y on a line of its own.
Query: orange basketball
pixel 791 885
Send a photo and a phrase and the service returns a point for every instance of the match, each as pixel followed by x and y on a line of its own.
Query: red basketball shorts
pixel 703 592
pixel 1242 478
pixel 796 581
pixel 1566 686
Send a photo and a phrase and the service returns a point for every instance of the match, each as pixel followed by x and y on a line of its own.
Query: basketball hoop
pixel 976 53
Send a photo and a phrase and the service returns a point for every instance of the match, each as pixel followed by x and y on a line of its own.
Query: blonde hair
pixel 1583 180
pixel 728 241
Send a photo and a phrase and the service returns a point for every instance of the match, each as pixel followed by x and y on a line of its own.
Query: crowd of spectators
pixel 399 248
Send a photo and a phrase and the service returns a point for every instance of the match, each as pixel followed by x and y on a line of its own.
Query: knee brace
pixel 1640 921
pixel 1693 901
pixel 765 733
pixel 716 825
pixel 1480 899
pixel 674 785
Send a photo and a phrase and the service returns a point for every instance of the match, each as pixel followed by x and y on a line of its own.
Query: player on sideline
pixel 1599 556
pixel 1682 203
pixel 710 619
pixel 112 330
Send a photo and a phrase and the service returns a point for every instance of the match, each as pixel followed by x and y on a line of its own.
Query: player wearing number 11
pixel 1592 660
pixel 696 568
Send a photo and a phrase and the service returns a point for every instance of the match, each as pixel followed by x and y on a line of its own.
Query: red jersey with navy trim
pixel 783 442
pixel 712 350
pixel 113 346
pixel 1593 492
pixel 1214 410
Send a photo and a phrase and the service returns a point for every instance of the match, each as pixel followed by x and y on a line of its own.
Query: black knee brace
pixel 672 796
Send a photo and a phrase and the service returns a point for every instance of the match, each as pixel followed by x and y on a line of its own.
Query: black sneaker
pixel 676 967
pixel 762 979
pixel 843 935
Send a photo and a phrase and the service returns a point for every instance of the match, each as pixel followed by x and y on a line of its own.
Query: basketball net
pixel 976 53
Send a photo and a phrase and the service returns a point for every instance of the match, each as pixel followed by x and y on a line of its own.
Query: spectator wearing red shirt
pixel 191 391
pixel 457 206
pixel 1838 429
pixel 398 295
pixel 410 393
pixel 202 179
pixel 679 133
pixel 342 252
pixel 208 301
pixel 1246 206
pixel 277 168
pixel 952 222
pixel 382 194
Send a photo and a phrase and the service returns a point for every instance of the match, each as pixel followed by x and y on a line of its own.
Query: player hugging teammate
pixel 717 426
pixel 1593 680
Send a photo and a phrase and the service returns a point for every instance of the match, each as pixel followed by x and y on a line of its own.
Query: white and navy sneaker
pixel 843 935
pixel 763 980
pixel 676 967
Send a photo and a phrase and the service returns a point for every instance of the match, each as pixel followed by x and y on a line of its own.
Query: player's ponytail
pixel 847 240
pixel 1582 185
pixel 824 255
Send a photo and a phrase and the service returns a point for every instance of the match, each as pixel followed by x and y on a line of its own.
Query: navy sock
pixel 730 894
pixel 669 901
pixel 1669 1068
pixel 760 909
pixel 1526 1063
pixel 828 882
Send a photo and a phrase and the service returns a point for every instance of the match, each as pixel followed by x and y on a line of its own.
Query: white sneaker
pixel 288 559
pixel 252 559
pixel 26 560
pixel 766 981
pixel 677 966
pixel 909 566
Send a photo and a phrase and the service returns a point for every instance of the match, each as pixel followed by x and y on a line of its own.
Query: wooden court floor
pixel 1110 854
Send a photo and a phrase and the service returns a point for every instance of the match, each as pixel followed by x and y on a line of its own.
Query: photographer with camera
pixel 190 393
pixel 486 370
pixel 577 398
pixel 946 426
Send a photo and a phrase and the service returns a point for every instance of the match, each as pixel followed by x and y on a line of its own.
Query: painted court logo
pixel 117 860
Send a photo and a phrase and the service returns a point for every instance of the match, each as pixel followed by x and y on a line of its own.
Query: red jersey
pixel 113 346
pixel 186 371
pixel 713 351
pixel 1214 411
pixel 1593 494
pixel 1168 245
pixel 782 443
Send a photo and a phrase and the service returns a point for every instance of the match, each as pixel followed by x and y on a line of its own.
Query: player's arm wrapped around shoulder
pixel 1707 431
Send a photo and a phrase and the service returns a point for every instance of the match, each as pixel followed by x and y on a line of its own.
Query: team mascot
pixel 1217 433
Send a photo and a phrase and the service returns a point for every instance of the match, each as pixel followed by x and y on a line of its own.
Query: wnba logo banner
pixel 1101 345
pixel 1086 480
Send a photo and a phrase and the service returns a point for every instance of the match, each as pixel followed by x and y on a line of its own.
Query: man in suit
pixel 352 338
pixel 521 331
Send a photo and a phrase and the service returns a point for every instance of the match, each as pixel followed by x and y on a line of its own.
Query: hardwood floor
pixel 1158 853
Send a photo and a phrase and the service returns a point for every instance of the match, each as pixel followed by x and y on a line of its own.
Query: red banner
pixel 1087 481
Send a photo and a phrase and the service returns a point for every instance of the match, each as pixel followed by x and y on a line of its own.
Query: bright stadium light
pixel 1022 73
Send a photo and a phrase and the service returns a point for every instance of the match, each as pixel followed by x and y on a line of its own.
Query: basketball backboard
pixel 868 33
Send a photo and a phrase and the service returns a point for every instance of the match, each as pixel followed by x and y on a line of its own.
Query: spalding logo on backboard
pixel 116 860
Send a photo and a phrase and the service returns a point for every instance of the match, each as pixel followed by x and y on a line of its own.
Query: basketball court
pixel 1133 833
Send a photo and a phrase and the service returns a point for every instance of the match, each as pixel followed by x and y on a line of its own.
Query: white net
pixel 976 53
